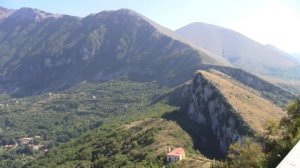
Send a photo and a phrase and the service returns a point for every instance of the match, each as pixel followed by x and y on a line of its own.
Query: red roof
pixel 176 152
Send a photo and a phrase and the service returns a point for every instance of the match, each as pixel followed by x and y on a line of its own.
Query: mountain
pixel 241 51
pixel 297 56
pixel 115 88
pixel 61 51
pixel 4 13
pixel 230 109
pixel 216 110
pixel 288 56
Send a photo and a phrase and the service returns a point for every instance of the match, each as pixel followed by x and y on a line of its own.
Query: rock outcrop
pixel 208 107
pixel 232 103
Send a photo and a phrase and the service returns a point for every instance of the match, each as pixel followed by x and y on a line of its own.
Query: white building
pixel 176 155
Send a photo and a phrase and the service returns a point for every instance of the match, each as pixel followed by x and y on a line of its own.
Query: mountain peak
pixel 126 10
pixel 120 12
pixel 4 12
pixel 33 14
pixel 2 8
pixel 206 25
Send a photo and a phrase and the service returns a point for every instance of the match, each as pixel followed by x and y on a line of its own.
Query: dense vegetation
pixel 114 141
pixel 288 133
pixel 63 115
pixel 107 147
pixel 59 117
pixel 141 143
pixel 108 107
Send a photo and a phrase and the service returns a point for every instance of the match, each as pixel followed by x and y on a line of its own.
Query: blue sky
pixel 267 21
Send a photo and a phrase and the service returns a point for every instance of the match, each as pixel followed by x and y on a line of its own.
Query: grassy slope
pixel 171 136
pixel 138 143
pixel 255 109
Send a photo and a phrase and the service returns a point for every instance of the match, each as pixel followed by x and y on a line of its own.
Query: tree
pixel 246 154
pixel 280 147
pixel 25 150
pixel 294 109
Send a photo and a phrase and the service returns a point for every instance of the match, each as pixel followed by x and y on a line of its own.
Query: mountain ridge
pixel 92 43
pixel 228 108
pixel 238 49
pixel 4 13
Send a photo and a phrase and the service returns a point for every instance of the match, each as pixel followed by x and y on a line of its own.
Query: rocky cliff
pixel 208 107
pixel 229 108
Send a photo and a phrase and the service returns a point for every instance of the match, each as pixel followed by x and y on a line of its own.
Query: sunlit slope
pixel 255 109
pixel 140 143
pixel 242 52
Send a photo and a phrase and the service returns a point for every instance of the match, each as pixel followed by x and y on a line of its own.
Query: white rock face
pixel 207 106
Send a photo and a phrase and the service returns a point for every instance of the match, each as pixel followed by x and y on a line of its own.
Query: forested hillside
pixel 115 89
pixel 61 51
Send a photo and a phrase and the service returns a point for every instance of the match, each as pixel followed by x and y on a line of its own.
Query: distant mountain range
pixel 239 50
pixel 61 50
pixel 42 51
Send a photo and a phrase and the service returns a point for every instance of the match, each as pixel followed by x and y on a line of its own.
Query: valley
pixel 116 89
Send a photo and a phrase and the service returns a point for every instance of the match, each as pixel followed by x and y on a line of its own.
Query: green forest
pixel 59 117
pixel 86 126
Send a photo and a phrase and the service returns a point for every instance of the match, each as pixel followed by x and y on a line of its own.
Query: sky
pixel 275 22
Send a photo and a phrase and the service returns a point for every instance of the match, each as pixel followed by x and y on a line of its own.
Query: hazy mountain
pixel 239 50
pixel 42 51
pixel 297 56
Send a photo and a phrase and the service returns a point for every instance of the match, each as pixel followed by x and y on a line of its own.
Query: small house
pixel 176 155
